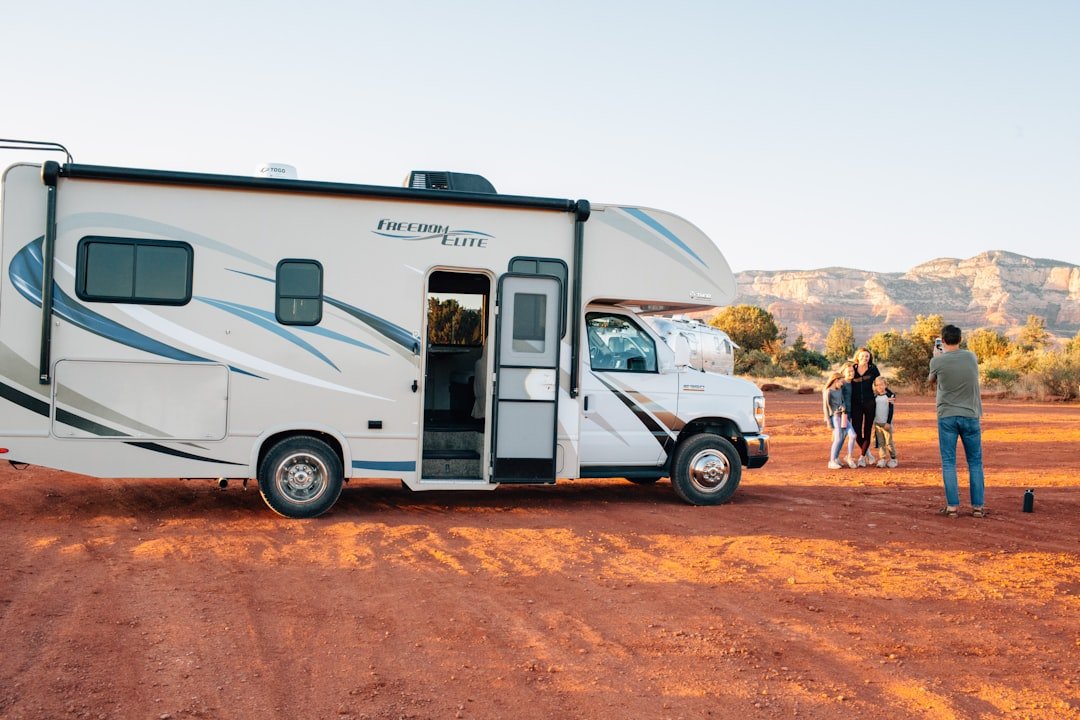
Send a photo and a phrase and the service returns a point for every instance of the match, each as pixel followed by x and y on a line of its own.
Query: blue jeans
pixel 970 434
pixel 838 435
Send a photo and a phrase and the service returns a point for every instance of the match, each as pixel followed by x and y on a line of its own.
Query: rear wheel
pixel 300 477
pixel 706 469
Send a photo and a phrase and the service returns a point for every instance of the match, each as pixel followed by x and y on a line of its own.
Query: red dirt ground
pixel 814 594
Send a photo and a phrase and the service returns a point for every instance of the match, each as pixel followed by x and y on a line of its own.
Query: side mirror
pixel 682 351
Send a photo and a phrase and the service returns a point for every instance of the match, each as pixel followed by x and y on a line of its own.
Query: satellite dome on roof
pixel 277 171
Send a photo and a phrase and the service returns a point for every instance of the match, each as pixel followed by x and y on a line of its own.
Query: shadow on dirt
pixel 862 516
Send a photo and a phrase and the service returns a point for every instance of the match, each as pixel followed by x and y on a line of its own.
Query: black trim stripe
pixel 22 399
pixel 94 428
pixel 659 432
pixel 41 407
pixel 155 447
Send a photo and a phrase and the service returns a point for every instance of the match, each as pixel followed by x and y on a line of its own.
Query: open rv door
pixel 526 379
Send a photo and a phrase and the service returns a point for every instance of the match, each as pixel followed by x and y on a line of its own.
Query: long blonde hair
pixel 832 378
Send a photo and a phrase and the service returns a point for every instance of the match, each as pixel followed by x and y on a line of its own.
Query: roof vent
pixel 442 180
pixel 276 171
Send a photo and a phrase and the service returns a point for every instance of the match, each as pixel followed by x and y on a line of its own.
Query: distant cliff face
pixel 995 289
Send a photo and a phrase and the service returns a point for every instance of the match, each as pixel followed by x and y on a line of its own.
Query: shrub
pixel 988 344
pixel 1059 375
pixel 910 359
pixel 757 363
pixel 1000 377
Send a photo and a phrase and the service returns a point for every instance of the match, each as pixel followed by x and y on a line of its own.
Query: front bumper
pixel 757 450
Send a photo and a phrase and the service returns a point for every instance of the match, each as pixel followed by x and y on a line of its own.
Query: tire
pixel 300 477
pixel 706 469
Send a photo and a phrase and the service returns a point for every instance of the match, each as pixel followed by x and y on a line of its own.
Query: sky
pixel 797 134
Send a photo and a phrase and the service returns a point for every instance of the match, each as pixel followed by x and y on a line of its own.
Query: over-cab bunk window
pixel 299 292
pixel 545 266
pixel 133 270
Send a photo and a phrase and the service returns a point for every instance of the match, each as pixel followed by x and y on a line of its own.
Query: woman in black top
pixel 862 402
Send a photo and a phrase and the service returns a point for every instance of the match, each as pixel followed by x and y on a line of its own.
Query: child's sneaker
pixel 862 462
pixel 834 465
pixel 881 463
pixel 851 463
pixel 869 458
pixel 892 463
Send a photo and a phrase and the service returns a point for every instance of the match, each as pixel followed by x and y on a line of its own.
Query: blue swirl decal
pixel 652 223
pixel 387 329
pixel 26 271
pixel 389 466
pixel 267 321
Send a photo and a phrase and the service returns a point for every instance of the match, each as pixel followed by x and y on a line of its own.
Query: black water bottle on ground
pixel 1029 500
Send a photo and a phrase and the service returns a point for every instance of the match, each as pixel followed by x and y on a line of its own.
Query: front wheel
pixel 705 469
pixel 300 477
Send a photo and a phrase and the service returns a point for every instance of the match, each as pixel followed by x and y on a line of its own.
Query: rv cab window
pixel 617 343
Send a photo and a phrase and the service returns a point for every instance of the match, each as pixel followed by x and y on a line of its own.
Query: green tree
pixel 750 327
pixel 800 359
pixel 451 324
pixel 910 359
pixel 1033 336
pixel 925 329
pixel 988 344
pixel 881 344
pixel 840 342
pixel 910 353
pixel 1072 347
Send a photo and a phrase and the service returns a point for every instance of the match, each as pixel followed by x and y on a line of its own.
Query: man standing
pixel 955 372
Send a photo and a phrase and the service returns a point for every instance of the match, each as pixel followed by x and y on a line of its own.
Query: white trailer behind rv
pixel 711 349
pixel 164 324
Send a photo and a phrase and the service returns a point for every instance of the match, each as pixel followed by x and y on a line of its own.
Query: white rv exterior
pixel 160 324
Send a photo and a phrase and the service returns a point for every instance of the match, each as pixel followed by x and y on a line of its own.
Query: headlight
pixel 759 412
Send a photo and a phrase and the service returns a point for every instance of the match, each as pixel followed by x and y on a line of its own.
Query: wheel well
pixel 273 440
pixel 718 426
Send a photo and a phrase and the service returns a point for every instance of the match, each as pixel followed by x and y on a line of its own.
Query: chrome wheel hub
pixel 301 477
pixel 709 470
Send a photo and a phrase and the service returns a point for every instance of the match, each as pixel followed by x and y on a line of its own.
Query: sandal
pixel 949 512
pixel 978 512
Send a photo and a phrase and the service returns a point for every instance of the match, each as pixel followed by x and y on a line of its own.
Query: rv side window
pixel 299 292
pixel 133 270
pixel 545 266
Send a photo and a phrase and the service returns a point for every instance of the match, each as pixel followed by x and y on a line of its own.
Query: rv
pixel 306 334
pixel 711 349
